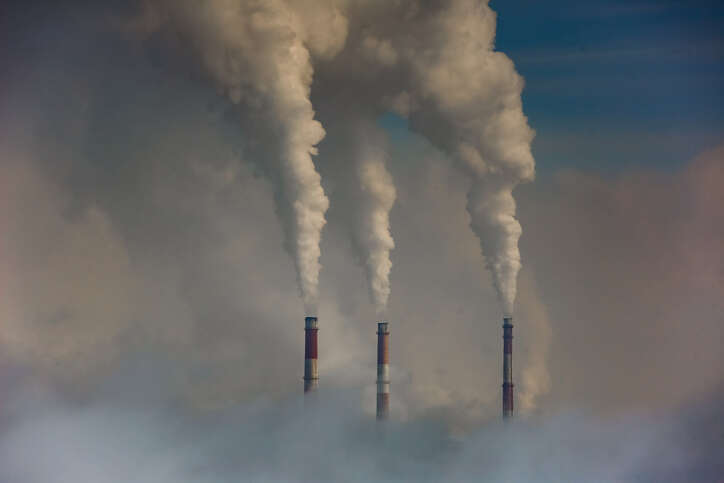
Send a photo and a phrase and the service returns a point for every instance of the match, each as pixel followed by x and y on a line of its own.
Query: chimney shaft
pixel 507 367
pixel 383 370
pixel 311 375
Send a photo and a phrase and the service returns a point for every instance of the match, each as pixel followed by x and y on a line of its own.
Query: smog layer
pixel 182 182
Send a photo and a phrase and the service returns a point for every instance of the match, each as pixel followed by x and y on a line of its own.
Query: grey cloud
pixel 636 295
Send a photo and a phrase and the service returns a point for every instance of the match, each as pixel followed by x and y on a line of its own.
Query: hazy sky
pixel 616 84
pixel 161 198
pixel 604 70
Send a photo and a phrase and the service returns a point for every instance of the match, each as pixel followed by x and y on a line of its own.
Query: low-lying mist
pixel 129 433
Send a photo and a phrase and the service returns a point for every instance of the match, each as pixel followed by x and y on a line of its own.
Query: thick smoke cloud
pixel 440 71
pixel 473 93
pixel 466 99
pixel 374 229
pixel 363 196
pixel 259 53
pixel 150 322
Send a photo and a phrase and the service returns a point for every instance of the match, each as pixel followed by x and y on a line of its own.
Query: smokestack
pixel 507 367
pixel 383 370
pixel 311 375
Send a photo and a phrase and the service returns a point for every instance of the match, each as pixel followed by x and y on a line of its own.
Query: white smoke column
pixel 492 218
pixel 257 52
pixel 372 232
pixel 466 99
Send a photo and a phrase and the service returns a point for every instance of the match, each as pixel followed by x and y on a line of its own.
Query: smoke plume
pixel 440 71
pixel 465 98
pixel 474 93
pixel 372 229
pixel 259 53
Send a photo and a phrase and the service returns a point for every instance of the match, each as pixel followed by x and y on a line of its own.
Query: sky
pixel 182 182
pixel 619 71
pixel 612 85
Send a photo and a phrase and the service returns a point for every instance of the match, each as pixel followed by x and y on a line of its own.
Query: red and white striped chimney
pixel 311 374
pixel 383 370
pixel 507 367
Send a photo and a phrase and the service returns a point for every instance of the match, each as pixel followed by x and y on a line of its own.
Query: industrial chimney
pixel 311 375
pixel 507 367
pixel 383 370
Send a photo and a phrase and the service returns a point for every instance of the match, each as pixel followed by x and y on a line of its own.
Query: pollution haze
pixel 182 183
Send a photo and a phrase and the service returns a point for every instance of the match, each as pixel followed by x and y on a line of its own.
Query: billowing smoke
pixel 259 53
pixel 372 224
pixel 374 230
pixel 492 212
pixel 465 98
pixel 439 70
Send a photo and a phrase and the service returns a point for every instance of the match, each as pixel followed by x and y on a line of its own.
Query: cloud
pixel 630 268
